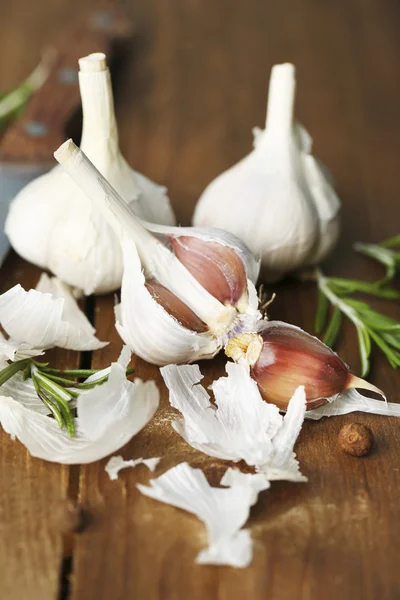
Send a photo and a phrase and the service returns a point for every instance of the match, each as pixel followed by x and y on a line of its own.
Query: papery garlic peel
pixel 54 225
pixel 281 357
pixel 279 199
pixel 184 290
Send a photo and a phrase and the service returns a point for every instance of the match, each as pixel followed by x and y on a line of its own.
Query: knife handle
pixel 40 130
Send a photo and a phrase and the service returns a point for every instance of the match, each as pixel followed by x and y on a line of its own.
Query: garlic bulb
pixel 281 357
pixel 185 291
pixel 54 225
pixel 278 199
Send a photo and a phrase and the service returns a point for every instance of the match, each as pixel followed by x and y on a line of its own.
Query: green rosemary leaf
pixel 350 286
pixel 11 370
pixel 88 385
pixel 392 356
pixel 41 365
pixel 376 320
pixel 364 343
pixel 71 372
pixel 383 255
pixel 322 313
pixel 333 330
pixel 79 373
pixel 66 383
pixel 393 242
pixel 392 339
pixel 27 372
pixel 51 406
pixel 61 397
pixel 52 388
pixel 68 419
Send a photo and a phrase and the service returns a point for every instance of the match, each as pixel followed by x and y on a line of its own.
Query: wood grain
pixel 190 88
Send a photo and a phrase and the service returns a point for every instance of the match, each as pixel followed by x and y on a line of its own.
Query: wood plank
pixel 196 85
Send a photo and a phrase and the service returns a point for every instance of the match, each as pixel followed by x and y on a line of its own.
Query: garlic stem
pixel 156 258
pixel 282 88
pixel 100 132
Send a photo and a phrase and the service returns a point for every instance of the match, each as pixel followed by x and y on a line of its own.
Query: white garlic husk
pixel 53 224
pixel 185 291
pixel 279 199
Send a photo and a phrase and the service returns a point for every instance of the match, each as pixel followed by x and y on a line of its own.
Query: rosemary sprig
pixel 387 253
pixel 371 326
pixel 54 387
pixel 13 102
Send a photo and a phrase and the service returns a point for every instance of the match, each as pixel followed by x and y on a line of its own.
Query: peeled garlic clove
pixel 217 268
pixel 54 225
pixel 283 356
pixel 175 307
pixel 152 332
pixel 277 199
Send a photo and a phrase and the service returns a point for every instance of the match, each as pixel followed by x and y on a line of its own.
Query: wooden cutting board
pixel 191 89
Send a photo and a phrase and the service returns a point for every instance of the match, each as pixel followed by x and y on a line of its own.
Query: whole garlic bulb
pixel 278 199
pixel 185 291
pixel 53 224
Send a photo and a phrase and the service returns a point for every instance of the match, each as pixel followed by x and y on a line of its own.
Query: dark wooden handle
pixel 40 130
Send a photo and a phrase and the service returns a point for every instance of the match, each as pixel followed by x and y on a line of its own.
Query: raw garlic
pixel 279 199
pixel 185 291
pixel 54 225
pixel 280 357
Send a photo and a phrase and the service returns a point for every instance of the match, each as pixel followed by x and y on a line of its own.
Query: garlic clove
pixel 217 268
pixel 175 307
pixel 54 225
pixel 148 329
pixel 289 357
pixel 277 199
pixel 213 234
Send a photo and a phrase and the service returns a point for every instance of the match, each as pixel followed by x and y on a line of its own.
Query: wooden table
pixel 191 86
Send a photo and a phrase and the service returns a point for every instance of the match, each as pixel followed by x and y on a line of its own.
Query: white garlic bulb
pixel 185 291
pixel 279 199
pixel 53 224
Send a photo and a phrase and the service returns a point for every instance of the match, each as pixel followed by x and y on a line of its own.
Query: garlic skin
pixel 155 330
pixel 108 416
pixel 57 227
pixel 223 510
pixel 278 199
pixel 281 357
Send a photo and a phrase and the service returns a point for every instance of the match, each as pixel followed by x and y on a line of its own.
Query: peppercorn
pixel 356 439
